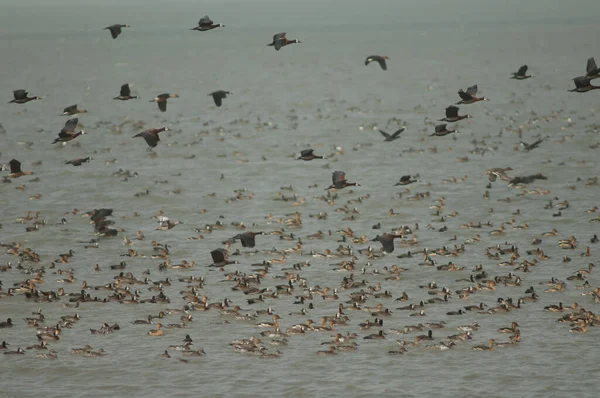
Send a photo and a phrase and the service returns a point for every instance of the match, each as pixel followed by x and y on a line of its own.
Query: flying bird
pixel 78 161
pixel 521 74
pixel 340 182
pixel 453 116
pixel 206 23
pixel 530 147
pixel 470 96
pixel 441 130
pixel 498 172
pixel 72 110
pixel 161 100
pixel 21 96
pixel 248 238
pixel 307 154
pixel 387 241
pixel 125 93
pixel 279 40
pixel 218 96
pixel 151 136
pixel 583 85
pixel 68 132
pixel 15 169
pixel 405 180
pixel 394 136
pixel 592 71
pixel 115 30
pixel 379 59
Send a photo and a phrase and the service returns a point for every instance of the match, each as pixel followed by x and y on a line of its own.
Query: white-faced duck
pixel 521 74
pixel 441 130
pixel 279 41
pixel 379 59
pixel 219 257
pixel 161 100
pixel 405 180
pixel 387 241
pixel 218 96
pixel 394 136
pixel 68 132
pixel 151 136
pixel 453 116
pixel 340 182
pixel 530 147
pixel 470 96
pixel 115 30
pixel 248 238
pixel 125 93
pixel 308 154
pixel 583 85
pixel 15 169
pixel 78 161
pixel 498 172
pixel 21 96
pixel 206 23
pixel 72 110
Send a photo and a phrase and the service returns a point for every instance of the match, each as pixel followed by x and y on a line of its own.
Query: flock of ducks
pixel 354 309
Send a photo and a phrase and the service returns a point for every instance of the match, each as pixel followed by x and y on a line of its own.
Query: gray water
pixel 315 94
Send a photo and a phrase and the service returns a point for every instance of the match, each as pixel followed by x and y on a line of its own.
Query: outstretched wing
pixel 125 91
pixel 70 109
pixel 15 166
pixel 452 111
pixel 338 176
pixel 20 94
pixel 440 128
pixel 205 20
pixel 70 126
pixel 386 135
pixel 522 70
pixel 581 81
pixel 219 256
pixel 397 133
pixel 162 105
pixel 591 66
pixel 472 91
pixel 306 152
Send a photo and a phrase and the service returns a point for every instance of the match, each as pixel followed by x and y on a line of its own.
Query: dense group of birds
pixel 257 288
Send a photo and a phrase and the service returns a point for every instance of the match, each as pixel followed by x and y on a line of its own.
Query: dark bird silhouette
pixel 394 136
pixel 219 257
pixel 218 96
pixel 340 182
pixel 453 116
pixel 151 136
pixel 592 71
pixel 72 110
pixel 441 130
pixel 530 147
pixel 470 96
pixel 498 172
pixel 583 85
pixel 115 30
pixel 21 97
pixel 206 23
pixel 78 161
pixel 161 100
pixel 526 179
pixel 279 40
pixel 125 93
pixel 68 132
pixel 307 154
pixel 521 74
pixel 15 169
pixel 248 238
pixel 405 180
pixel 387 241
pixel 379 59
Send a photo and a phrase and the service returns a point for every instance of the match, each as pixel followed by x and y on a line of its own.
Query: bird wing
pixel 581 81
pixel 452 111
pixel 278 40
pixel 522 70
pixel 70 109
pixel 162 105
pixel 20 94
pixel 386 135
pixel 218 99
pixel 70 126
pixel 218 256
pixel 205 20
pixel 115 30
pixel 463 95
pixel 535 144
pixel 306 152
pixel 338 176
pixel 397 133
pixel 440 127
pixel 591 65
pixel 151 139
pixel 125 91
pixel 15 166
pixel 405 178
pixel 472 90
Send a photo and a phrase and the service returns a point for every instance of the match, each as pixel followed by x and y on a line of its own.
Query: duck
pixel 218 96
pixel 340 182
pixel 376 336
pixel 392 137
pixel 511 329
pixel 7 324
pixel 161 100
pixel 424 337
pixel 380 59
pixel 453 116
pixel 21 96
pixel 125 93
pixel 280 41
pixel 521 74
pixel 470 96
pixel 488 347
pixel 19 351
pixel 442 130
pixel 15 169
pixel 273 324
pixel 308 155
pixel 157 331
pixel 151 136
pixel 115 30
pixel 78 161
pixel 583 85
pixel 206 23
pixel 67 133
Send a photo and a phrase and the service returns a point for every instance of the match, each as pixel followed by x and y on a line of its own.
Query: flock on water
pixel 363 309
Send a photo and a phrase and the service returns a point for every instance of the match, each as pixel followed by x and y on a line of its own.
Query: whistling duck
pixel 279 40
pixel 72 110
pixel 161 100
pixel 530 147
pixel 15 169
pixel 125 93
pixel 441 130
pixel 151 136
pixel 392 137
pixel 219 257
pixel 521 74
pixel 218 96
pixel 583 85
pixel 248 238
pixel 470 96
pixel 68 132
pixel 511 329
pixel 498 172
pixel 21 97
pixel 206 23
pixel 340 182
pixel 387 241
pixel 488 347
pixel 592 71
pixel 307 154
pixel 115 30
pixel 405 180
pixel 379 59
pixel 452 115
pixel 78 161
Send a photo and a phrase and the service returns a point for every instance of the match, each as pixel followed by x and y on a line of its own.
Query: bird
pixel 405 180
pixel 78 161
pixel 441 130
pixel 307 154
pixel 21 97
pixel 453 116
pixel 151 136
pixel 387 241
pixel 219 257
pixel 583 85
pixel 592 70
pixel 379 59
pixel 161 100
pixel 72 110
pixel 15 169
pixel 206 23
pixel 498 172
pixel 526 179
pixel 521 74
pixel 394 136
pixel 218 96
pixel 247 238
pixel 115 30
pixel 470 96
pixel 530 147
pixel 340 182
pixel 68 132
pixel 125 93
pixel 279 40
